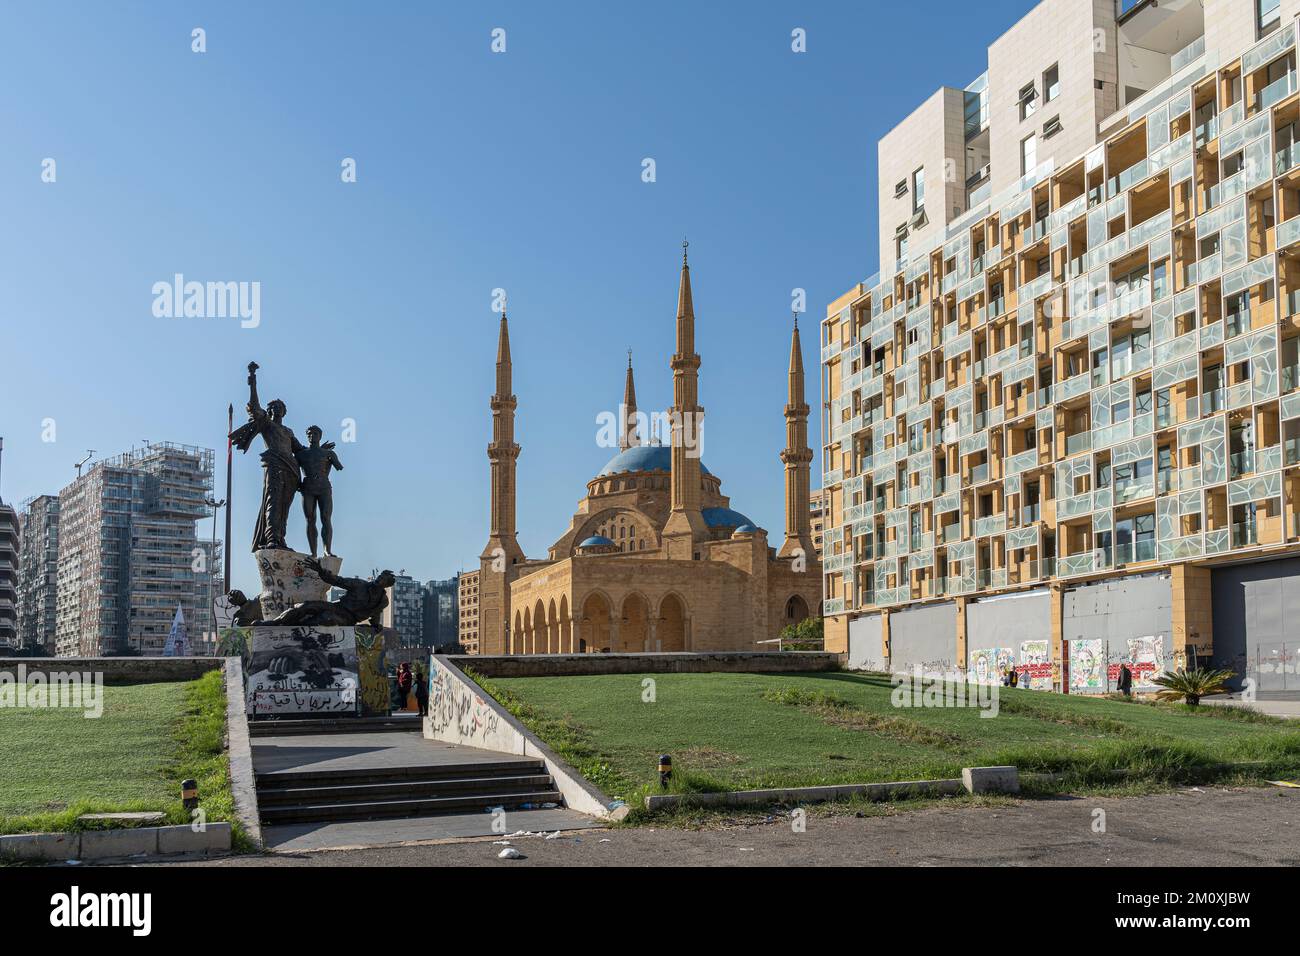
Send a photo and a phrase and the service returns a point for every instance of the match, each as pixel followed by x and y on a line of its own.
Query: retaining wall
pixel 571 665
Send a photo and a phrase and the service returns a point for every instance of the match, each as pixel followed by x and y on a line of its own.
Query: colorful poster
pixel 308 671
pixel 1087 666
pixel 372 672
pixel 988 664
pixel 1035 667
pixel 1146 659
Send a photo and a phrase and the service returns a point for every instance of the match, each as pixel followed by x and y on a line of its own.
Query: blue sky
pixel 475 171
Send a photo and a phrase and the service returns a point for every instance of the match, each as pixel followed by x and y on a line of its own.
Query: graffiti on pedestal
pixel 303 670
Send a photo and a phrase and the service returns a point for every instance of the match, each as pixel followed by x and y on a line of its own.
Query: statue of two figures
pixel 288 467
pixel 294 585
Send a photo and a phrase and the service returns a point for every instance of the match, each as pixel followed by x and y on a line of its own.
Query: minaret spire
pixel 797 457
pixel 685 524
pixel 628 436
pixel 502 453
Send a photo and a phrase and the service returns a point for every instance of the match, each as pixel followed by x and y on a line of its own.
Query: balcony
pixel 1134 552
pixel 1278 90
pixel 1244 534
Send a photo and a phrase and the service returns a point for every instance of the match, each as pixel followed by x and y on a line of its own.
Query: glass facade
pixel 1098 376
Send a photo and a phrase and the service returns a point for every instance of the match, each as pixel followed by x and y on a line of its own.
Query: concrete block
pixel 215 838
pixel 101 844
pixel 41 846
pixel 990 779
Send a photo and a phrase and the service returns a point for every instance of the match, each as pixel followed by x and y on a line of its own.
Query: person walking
pixel 1125 680
pixel 404 681
pixel 421 691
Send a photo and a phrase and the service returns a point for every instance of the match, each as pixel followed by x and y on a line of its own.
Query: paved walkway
pixel 1274 708
pixel 301 837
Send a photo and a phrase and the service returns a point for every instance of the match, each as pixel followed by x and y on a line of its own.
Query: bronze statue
pixel 247 611
pixel 362 600
pixel 280 480
pixel 316 461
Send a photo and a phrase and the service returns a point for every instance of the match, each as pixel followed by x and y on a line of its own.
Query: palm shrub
pixel 1192 685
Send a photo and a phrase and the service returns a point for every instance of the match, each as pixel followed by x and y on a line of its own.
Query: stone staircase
pixel 327 725
pixel 328 796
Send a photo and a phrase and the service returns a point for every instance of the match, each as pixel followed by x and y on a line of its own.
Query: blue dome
pixel 746 529
pixel 642 458
pixel 724 518
pixel 596 541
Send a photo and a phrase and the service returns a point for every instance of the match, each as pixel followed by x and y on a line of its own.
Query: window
pixel 1268 15
pixel 1028 154
pixel 918 189
pixel 900 247
pixel 900 188
pixel 1028 101
pixel 1051 84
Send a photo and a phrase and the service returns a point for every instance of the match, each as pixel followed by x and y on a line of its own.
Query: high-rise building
pixel 441 602
pixel 130 552
pixel 467 613
pixel 405 610
pixel 817 519
pixel 1062 424
pixel 10 541
pixel 38 573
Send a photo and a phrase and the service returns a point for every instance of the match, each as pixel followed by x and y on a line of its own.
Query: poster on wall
pixel 988 664
pixel 1146 659
pixel 1087 666
pixel 307 671
pixel 1035 667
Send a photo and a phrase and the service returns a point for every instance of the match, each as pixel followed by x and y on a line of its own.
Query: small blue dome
pixel 596 541
pixel 724 518
pixel 746 529
pixel 642 458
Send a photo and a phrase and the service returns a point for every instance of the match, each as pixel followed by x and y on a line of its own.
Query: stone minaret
pixel 685 524
pixel 627 433
pixel 797 456
pixel 501 555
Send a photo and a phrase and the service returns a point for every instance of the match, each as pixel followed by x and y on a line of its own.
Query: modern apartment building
pixel 817 518
pixel 441 602
pixel 10 539
pixel 405 610
pixel 1062 425
pixel 38 573
pixel 130 552
pixel 467 587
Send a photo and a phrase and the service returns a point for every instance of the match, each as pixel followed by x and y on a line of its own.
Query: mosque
pixel 655 558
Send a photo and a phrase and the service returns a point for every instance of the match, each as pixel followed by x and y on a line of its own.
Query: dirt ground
pixel 1188 827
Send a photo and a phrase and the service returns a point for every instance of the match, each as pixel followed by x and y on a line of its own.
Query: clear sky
pixel 475 170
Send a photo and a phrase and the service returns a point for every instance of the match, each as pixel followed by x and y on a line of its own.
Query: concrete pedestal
pixel 287 580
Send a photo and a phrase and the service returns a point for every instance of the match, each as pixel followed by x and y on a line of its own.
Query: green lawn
pixel 741 731
pixel 56 763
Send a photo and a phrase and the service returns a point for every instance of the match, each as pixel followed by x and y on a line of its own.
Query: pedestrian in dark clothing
pixel 1125 680
pixel 404 681
pixel 421 691
pixel 1013 678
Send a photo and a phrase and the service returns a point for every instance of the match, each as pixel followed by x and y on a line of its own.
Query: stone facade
pixel 655 559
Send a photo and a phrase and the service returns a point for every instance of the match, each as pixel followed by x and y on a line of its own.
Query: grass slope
pixel 743 731
pixel 56 764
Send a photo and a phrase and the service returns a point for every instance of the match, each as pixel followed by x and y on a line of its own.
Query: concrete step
pixel 420 807
pixel 505 767
pixel 339 725
pixel 400 790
